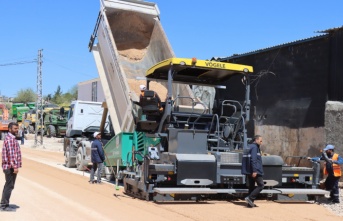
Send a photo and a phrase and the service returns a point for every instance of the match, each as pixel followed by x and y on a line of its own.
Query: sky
pixel 201 29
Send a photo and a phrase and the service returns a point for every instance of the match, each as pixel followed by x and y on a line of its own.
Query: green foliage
pixel 58 92
pixel 8 106
pixel 63 99
pixel 25 95
pixel 59 98
pixel 48 98
pixel 73 91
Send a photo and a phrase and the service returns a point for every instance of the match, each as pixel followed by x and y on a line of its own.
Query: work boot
pixel 7 209
pixel 330 199
pixel 334 201
pixel 249 201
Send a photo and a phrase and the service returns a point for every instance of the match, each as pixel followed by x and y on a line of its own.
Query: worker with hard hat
pixel 142 88
pixel 97 158
pixel 333 171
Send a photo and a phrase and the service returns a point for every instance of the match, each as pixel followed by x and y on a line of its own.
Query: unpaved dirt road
pixel 46 190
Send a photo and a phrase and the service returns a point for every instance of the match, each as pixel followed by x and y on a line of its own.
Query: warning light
pixel 194 61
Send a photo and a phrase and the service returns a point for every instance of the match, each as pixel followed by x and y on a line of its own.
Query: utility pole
pixel 39 101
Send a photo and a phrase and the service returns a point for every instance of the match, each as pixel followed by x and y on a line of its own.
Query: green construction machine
pixel 19 109
pixel 55 122
pixel 15 109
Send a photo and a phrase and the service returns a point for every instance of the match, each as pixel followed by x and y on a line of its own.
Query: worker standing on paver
pixel 252 167
pixel 11 162
pixel 97 157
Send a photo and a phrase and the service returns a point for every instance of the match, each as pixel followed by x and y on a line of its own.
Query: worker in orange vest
pixel 333 171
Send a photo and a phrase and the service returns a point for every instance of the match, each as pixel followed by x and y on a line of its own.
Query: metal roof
pixel 324 34
pixel 271 48
pixel 330 30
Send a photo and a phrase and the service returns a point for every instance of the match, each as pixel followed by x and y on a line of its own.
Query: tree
pixel 57 98
pixel 25 95
pixel 74 92
pixel 63 99
pixel 70 96
pixel 48 98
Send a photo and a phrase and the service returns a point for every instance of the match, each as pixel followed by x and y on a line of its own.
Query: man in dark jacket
pixel 252 167
pixel 98 158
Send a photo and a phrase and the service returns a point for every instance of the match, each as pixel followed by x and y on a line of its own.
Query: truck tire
pixel 51 132
pixel 67 159
pixel 79 159
pixel 82 159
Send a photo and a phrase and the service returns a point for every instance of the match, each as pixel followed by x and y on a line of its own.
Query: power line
pixel 66 68
pixel 19 63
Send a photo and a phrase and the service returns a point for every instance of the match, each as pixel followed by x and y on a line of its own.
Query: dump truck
pixel 181 153
pixel 130 40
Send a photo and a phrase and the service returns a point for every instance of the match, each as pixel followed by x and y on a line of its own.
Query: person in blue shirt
pixel 252 167
pixel 97 158
pixel 333 171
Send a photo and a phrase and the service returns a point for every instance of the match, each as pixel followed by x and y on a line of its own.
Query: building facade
pixel 91 90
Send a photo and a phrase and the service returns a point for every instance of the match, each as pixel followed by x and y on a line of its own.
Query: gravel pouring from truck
pixel 130 40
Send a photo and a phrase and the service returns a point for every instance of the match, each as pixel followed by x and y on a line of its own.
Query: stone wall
pixel 285 141
pixel 334 125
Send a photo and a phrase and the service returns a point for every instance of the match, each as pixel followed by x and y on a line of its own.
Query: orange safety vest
pixel 336 168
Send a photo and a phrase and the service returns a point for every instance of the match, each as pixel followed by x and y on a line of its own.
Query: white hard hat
pixel 142 87
pixel 329 147
pixel 96 134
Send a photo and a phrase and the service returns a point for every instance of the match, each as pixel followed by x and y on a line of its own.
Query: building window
pixel 94 91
